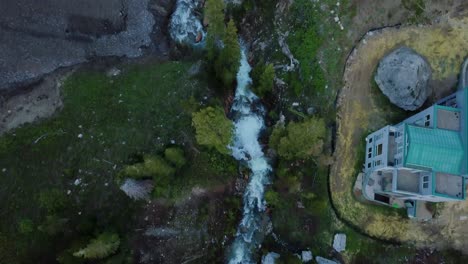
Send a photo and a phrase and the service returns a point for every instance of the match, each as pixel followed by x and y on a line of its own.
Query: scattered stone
pixel 339 242
pixel 403 76
pixel 196 68
pixel 137 189
pixel 199 37
pixel 80 135
pixel 112 72
pixel 77 182
pixel 4 170
pixel 270 258
pixel 68 192
pixel 295 104
pixel 306 256
pixel 321 260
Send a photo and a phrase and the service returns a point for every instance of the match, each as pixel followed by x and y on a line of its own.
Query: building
pixel 423 158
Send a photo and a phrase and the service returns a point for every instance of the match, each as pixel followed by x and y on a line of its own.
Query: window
pixel 377 163
pixel 379 149
pixel 427 123
pixel 428 117
pixel 369 155
pixel 369 165
pixel 370 140
pixel 425 185
pixel 425 178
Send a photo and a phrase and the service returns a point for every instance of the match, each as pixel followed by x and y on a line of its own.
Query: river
pixel 248 116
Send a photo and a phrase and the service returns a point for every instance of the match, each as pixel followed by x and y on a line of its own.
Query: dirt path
pixel 444 46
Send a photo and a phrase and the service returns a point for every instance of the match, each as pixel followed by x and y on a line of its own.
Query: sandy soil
pixel 444 45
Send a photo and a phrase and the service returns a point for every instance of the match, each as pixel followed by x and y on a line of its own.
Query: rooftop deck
pixel 408 181
pixel 450 185
pixel 447 119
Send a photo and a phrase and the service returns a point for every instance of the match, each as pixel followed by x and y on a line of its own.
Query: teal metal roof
pixel 464 129
pixel 438 149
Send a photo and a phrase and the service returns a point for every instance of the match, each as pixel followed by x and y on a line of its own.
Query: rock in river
pixel 403 76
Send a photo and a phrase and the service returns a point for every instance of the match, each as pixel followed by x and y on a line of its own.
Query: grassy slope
pixel 139 111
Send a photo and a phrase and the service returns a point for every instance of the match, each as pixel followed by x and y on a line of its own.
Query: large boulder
pixel 403 76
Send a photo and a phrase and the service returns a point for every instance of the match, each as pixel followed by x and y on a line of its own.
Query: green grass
pixel 316 41
pixel 137 112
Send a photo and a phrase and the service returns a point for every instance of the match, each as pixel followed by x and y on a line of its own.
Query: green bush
pixel 25 226
pixel 53 225
pixel 157 167
pixel 53 200
pixel 151 167
pixel 272 198
pixel 302 140
pixel 175 156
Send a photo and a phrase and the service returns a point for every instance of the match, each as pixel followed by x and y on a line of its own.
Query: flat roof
pixel 438 149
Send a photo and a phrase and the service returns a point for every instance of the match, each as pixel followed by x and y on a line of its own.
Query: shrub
pixel 53 200
pixel 300 140
pixel 152 166
pixel 53 225
pixel 272 198
pixel 25 226
pixel 175 156
pixel 157 167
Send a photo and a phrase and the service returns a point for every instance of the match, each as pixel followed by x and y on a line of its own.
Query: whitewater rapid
pixel 248 119
pixel 185 23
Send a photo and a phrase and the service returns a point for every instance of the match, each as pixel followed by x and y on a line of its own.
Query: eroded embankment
pixel 444 46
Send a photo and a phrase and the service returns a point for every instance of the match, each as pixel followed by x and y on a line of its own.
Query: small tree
pixel 215 17
pixel 213 129
pixel 300 140
pixel 265 82
pixel 228 61
pixel 101 247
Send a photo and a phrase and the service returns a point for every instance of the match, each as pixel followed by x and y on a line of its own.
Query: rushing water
pixel 249 122
pixel 185 25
